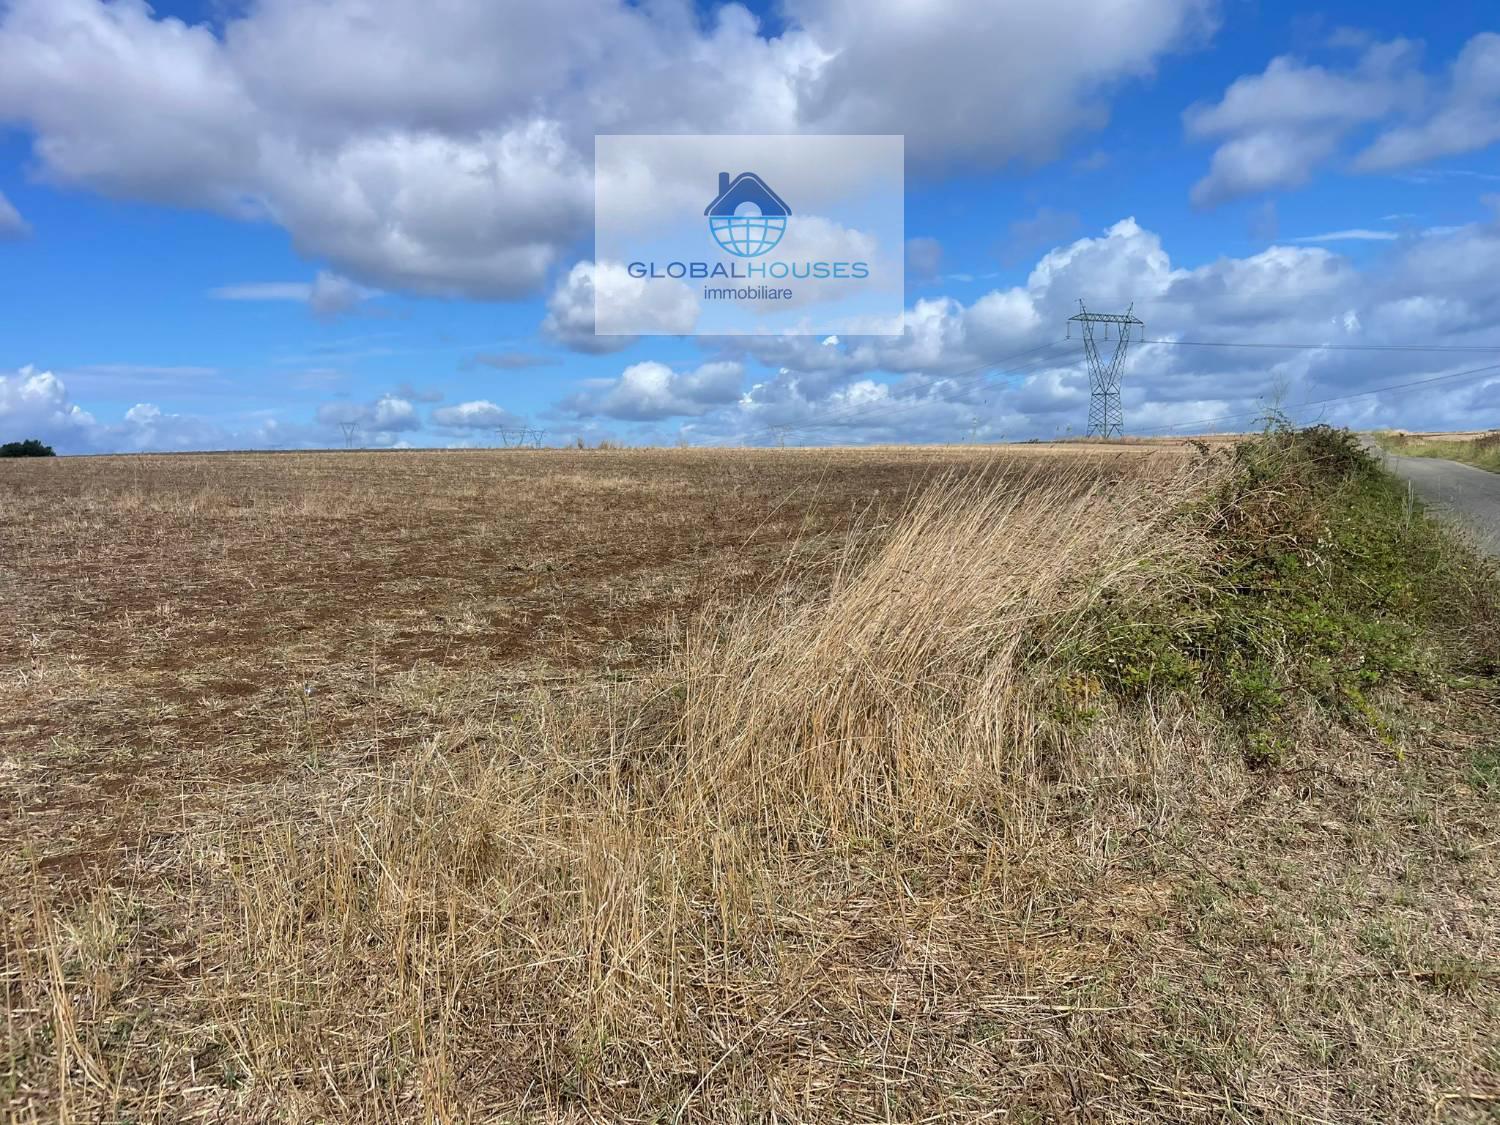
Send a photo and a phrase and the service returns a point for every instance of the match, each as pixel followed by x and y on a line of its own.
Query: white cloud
pixel 462 169
pixel 38 404
pixel 262 291
pixel 35 404
pixel 327 296
pixel 670 308
pixel 11 223
pixel 570 314
pixel 1357 234
pixel 387 415
pixel 146 426
pixel 477 415
pixel 882 66
pixel 1263 161
pixel 1278 126
pixel 1467 117
pixel 1000 359
pixel 933 383
pixel 649 391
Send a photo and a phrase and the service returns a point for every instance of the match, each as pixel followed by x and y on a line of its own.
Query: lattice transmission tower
pixel 1106 416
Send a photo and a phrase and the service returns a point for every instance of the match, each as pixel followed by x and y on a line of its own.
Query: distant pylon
pixel 1106 416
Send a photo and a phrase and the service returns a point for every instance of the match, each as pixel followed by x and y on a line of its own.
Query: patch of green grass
pixel 1482 452
pixel 1485 770
pixel 1321 585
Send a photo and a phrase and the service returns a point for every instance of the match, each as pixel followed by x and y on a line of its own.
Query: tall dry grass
pixel 624 899
pixel 840 858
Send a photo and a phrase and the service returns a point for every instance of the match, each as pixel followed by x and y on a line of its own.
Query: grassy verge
pixel 1482 452
pixel 1076 797
pixel 1322 584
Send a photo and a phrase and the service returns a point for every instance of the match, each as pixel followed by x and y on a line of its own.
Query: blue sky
pixel 235 225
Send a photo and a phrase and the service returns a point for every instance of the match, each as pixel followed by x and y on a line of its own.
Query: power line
pixel 1339 398
pixel 857 413
pixel 1332 347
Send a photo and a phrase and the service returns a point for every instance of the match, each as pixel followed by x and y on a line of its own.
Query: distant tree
pixel 28 448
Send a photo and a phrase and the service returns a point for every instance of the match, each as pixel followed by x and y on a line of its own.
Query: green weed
pixel 1318 586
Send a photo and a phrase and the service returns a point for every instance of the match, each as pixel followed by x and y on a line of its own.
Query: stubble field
pixel 179 628
pixel 693 785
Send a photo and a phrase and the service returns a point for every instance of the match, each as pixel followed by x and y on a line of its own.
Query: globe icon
pixel 747 235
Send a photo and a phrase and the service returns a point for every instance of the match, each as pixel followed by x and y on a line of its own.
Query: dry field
pixel 180 627
pixel 689 785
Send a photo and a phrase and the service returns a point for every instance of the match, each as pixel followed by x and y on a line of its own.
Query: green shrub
pixel 1321 584
pixel 28 448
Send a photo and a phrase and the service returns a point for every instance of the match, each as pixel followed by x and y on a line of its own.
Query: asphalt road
pixel 1467 494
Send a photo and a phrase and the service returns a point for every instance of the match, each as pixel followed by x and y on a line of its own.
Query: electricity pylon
pixel 351 431
pixel 1106 416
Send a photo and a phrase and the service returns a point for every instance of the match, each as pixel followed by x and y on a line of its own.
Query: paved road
pixel 1470 495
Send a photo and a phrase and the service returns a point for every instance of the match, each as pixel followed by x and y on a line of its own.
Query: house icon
pixel 747 218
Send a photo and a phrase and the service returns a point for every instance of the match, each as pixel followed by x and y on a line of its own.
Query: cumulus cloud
pixel 37 404
pixel 477 415
pixel 1277 127
pixel 1000 365
pixel 664 307
pixel 650 391
pixel 146 426
pixel 570 314
pixel 11 223
pixel 463 170
pixel 1262 161
pixel 386 416
pixel 876 69
pixel 1466 118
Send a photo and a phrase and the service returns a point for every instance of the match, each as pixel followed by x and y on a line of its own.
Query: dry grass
pixel 801 834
